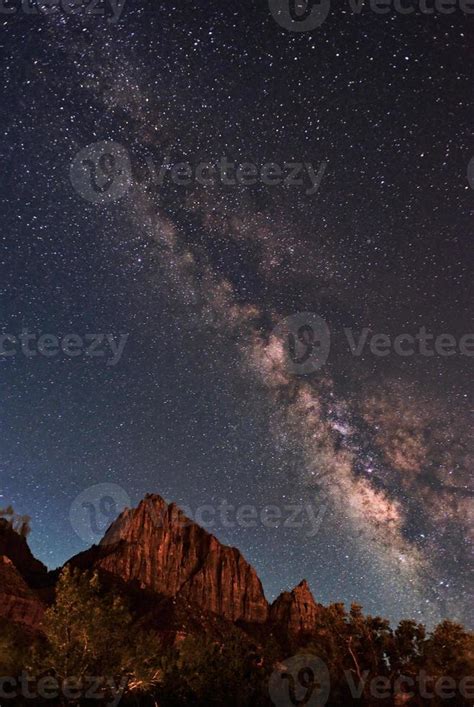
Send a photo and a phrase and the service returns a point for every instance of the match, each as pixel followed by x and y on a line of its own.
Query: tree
pixel 21 524
pixel 449 653
pixel 408 647
pixel 369 641
pixel 209 673
pixel 13 648
pixel 90 632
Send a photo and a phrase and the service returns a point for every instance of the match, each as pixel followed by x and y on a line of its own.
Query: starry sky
pixel 202 407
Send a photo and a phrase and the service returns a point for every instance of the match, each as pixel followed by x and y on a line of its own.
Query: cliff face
pixel 18 602
pixel 20 575
pixel 156 546
pixel 295 611
pixel 15 547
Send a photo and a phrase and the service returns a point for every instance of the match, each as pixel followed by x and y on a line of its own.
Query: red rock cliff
pixel 158 547
pixel 18 602
pixel 15 547
pixel 296 611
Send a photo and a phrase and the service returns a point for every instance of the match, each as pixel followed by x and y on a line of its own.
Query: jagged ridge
pixel 156 550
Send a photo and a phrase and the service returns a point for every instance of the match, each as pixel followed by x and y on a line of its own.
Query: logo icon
pixel 299 15
pixel 101 172
pixel 95 509
pixel 306 340
pixel 300 680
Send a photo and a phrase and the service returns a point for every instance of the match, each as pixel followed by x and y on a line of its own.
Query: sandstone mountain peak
pixel 158 548
pixel 303 585
pixel 296 610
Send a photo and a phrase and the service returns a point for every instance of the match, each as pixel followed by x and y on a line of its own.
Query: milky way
pixel 203 405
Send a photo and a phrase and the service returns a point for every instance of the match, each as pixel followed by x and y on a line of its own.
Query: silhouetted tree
pixel 21 524
pixel 208 673
pixel 90 632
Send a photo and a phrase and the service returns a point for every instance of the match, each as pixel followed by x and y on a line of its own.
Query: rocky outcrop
pixel 18 602
pixel 296 611
pixel 157 547
pixel 14 546
pixel 174 572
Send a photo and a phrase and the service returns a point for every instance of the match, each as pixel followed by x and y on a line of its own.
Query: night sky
pixel 203 405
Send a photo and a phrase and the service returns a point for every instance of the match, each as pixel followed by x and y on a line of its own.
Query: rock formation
pixel 18 602
pixel 158 547
pixel 295 611
pixel 15 547
pixel 158 555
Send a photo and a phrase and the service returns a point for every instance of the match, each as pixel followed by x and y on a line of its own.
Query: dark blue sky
pixel 198 277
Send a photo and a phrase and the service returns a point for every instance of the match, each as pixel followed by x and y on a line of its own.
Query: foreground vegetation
pixel 94 650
